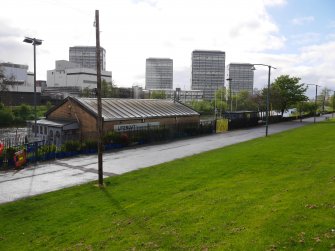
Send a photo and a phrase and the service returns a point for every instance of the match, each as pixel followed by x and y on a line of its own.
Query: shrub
pixel 71 146
pixel 89 145
pixel 112 137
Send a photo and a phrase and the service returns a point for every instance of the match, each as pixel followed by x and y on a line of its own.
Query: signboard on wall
pixel 134 127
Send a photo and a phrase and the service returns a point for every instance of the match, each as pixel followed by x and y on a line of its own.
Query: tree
pixel 221 94
pixel 286 92
pixel 246 102
pixel 108 89
pixel 24 111
pixel 202 106
pixel 157 95
pixel 324 98
pixel 86 92
pixel 6 116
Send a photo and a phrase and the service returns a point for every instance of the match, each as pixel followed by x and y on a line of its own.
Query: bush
pixel 71 146
pixel 6 117
pixel 89 145
pixel 46 149
pixel 112 138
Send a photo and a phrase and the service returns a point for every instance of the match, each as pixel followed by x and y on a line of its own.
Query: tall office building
pixel 242 77
pixel 158 73
pixel 85 57
pixel 208 72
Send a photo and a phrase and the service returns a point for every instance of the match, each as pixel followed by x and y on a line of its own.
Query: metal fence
pixel 87 143
pixel 13 136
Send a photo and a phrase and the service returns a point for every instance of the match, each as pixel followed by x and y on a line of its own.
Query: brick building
pixel 79 116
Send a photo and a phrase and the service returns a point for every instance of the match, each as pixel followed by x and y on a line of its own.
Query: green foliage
pixel 157 95
pixel 86 92
pixel 48 105
pixel 112 137
pixel 246 102
pixel 108 90
pixel 71 146
pixel 9 152
pixel 286 92
pixel 6 117
pixel 46 149
pixel 232 198
pixel 203 106
pixel 24 112
pixel 18 115
pixel 221 94
pixel 306 108
pixel 89 145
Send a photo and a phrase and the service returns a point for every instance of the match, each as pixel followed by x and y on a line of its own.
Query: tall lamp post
pixel 316 97
pixel 267 96
pixel 333 104
pixel 35 42
pixel 231 102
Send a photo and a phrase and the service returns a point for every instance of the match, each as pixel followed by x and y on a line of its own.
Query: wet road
pixel 50 176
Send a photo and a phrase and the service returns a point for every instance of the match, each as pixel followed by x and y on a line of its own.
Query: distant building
pixel 14 72
pixel 183 96
pixel 208 72
pixel 159 73
pixel 68 74
pixel 85 57
pixel 19 85
pixel 242 77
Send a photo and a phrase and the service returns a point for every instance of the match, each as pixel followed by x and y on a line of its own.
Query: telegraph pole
pixel 99 120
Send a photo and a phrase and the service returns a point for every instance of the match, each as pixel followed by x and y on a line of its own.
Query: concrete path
pixel 50 176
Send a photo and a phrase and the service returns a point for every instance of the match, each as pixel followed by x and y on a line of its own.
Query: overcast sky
pixel 295 36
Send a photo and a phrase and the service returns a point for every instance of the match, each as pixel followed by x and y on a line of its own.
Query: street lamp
pixel 267 96
pixel 34 42
pixel 316 96
pixel 333 103
pixel 231 103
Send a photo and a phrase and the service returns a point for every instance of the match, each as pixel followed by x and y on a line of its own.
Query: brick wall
pixel 72 111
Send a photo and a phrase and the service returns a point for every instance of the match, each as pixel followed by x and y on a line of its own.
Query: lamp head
pixel 33 41
pixel 28 40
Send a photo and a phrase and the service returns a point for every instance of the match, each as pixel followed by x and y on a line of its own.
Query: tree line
pixel 285 93
pixel 18 115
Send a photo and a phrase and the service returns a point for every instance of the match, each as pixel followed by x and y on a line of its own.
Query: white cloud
pixel 275 2
pixel 306 38
pixel 302 20
pixel 133 30
pixel 313 64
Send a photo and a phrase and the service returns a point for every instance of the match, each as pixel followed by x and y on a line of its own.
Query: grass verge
pixel 266 194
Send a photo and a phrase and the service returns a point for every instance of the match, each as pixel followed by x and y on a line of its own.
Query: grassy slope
pixel 266 194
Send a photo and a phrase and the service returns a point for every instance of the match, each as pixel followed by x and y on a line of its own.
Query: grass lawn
pixel 271 193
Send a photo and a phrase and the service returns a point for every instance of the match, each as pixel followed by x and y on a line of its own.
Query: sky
pixel 297 37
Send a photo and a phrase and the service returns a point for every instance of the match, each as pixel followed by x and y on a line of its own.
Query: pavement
pixel 54 175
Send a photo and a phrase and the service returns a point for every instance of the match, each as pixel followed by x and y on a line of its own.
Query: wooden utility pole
pixel 99 120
